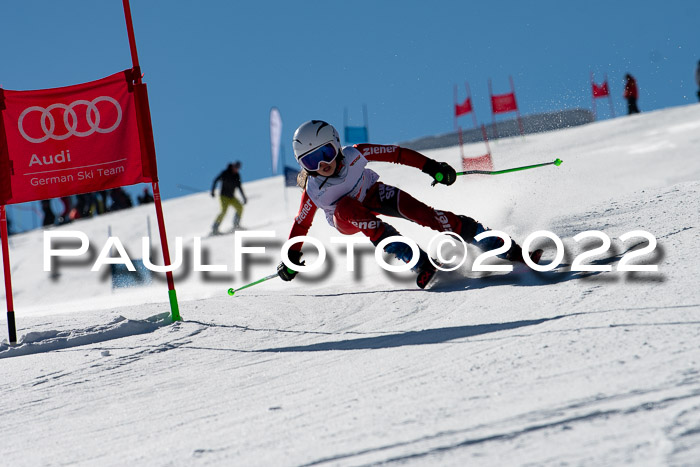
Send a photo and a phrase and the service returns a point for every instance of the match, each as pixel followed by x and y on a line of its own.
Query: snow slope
pixel 357 368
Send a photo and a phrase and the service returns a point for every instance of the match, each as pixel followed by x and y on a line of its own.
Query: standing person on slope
pixel 230 180
pixel 336 179
pixel 697 78
pixel 631 94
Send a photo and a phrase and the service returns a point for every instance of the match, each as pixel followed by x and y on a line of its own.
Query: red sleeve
pixel 303 220
pixel 394 154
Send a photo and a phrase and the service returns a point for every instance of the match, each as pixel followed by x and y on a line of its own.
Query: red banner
pixel 478 163
pixel 463 108
pixel 503 103
pixel 600 91
pixel 71 140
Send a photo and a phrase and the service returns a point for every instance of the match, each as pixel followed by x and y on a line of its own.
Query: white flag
pixel 275 136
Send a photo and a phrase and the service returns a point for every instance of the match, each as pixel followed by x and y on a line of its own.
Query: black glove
pixel 213 195
pixel 288 274
pixel 245 200
pixel 442 172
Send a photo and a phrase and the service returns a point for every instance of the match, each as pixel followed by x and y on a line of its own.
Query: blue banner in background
pixel 290 176
pixel 356 135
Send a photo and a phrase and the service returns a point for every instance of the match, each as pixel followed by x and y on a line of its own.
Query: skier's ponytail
pixel 302 177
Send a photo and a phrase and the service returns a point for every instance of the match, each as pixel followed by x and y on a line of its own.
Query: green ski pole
pixel 556 162
pixel 232 291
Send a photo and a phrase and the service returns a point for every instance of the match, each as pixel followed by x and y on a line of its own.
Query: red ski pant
pixel 352 216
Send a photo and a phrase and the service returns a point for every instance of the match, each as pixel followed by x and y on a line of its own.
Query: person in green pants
pixel 230 180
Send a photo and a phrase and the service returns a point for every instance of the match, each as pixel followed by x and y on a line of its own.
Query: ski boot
pixel 472 228
pixel 424 268
pixel 425 274
pixel 515 254
pixel 536 255
pixel 215 228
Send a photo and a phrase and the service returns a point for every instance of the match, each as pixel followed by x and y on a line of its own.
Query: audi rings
pixel 70 119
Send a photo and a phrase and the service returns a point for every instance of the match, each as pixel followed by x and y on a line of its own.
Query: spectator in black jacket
pixel 120 199
pixel 697 78
pixel 49 216
pixel 631 94
pixel 230 180
pixel 146 197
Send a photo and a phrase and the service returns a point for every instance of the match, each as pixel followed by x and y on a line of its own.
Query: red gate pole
pixel 454 107
pixel 457 127
pixel 612 109
pixel 469 95
pixel 493 115
pixel 11 328
pixel 595 110
pixel 461 143
pixel 486 138
pixel 174 308
pixel 132 38
pixel 517 109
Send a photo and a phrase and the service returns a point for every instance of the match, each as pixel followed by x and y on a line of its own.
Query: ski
pixel 426 274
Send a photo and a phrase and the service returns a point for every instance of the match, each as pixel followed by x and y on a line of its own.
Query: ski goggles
pixel 312 160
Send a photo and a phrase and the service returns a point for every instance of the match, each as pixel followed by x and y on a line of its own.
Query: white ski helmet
pixel 314 142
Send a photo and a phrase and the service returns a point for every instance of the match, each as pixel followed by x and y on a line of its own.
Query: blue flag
pixel 290 176
pixel 356 135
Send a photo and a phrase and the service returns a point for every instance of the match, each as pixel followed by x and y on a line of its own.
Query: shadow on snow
pixel 426 336
pixel 524 276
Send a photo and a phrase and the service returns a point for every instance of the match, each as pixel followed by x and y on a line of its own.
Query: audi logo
pixel 70 119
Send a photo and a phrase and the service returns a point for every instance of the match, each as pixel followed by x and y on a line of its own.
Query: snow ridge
pixel 47 341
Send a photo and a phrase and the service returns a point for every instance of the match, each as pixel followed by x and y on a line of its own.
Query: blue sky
pixel 215 68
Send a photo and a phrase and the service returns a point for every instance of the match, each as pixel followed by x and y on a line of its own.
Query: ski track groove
pixel 645 406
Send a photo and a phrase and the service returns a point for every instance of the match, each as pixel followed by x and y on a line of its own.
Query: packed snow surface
pixel 362 367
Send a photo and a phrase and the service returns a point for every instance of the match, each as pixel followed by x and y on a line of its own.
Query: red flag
pixel 463 108
pixel 600 91
pixel 503 103
pixel 70 140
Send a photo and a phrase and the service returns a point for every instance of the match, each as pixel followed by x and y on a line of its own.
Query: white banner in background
pixel 275 136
